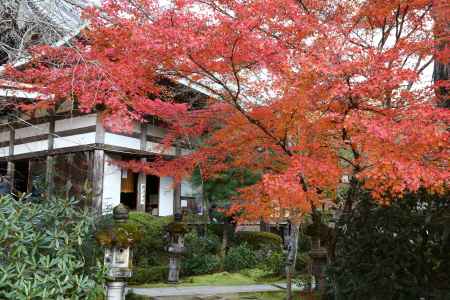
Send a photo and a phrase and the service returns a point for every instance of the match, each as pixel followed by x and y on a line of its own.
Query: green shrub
pixel 132 296
pixel 151 249
pixel 303 261
pixel 43 251
pixel 216 229
pixel 149 274
pixel 209 244
pixel 260 240
pixel 239 258
pixel 273 262
pixel 400 251
pixel 198 264
pixel 201 254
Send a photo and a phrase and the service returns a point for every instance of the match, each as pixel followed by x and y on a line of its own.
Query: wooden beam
pixel 97 180
pixel 177 189
pixel 99 131
pixel 50 165
pixel 11 165
pixel 98 167
pixel 142 178
pixel 41 137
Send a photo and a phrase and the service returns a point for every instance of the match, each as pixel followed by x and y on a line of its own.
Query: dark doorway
pixel 128 191
pixel 21 173
pixel 152 195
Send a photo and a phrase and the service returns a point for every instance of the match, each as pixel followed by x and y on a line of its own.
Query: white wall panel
pixel 75 140
pixel 38 129
pixel 4 135
pixel 76 122
pixel 122 141
pixel 186 151
pixel 166 195
pixel 4 151
pixel 31 147
pixel 112 181
pixel 188 189
pixel 158 148
pixel 156 131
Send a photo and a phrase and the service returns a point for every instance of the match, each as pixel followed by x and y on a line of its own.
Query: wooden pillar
pixel 142 178
pixel 11 165
pixel 98 167
pixel 97 179
pixel 99 131
pixel 177 189
pixel 50 165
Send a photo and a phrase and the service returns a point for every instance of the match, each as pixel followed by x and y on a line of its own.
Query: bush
pixel 273 262
pixel 201 254
pixel 260 240
pixel 199 264
pixel 209 244
pixel 151 249
pixel 149 274
pixel 132 296
pixel 239 258
pixel 303 262
pixel 41 251
pixel 401 251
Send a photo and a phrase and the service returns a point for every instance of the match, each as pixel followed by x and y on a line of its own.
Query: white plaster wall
pixel 4 92
pixel 31 147
pixel 188 190
pixel 76 122
pixel 186 151
pixel 112 181
pixel 34 130
pixel 158 148
pixel 166 195
pixel 74 140
pixel 122 141
pixel 156 131
pixel 4 151
pixel 136 127
pixel 4 135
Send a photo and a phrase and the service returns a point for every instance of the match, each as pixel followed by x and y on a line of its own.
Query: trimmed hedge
pixel 260 240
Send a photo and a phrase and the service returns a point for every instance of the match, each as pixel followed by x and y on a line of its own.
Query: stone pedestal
pixel 115 290
pixel 177 229
pixel 319 258
pixel 174 270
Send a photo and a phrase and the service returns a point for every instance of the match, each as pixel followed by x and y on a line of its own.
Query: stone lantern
pixel 176 229
pixel 117 239
pixel 318 232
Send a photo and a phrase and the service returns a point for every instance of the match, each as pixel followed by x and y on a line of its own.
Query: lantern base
pixel 115 290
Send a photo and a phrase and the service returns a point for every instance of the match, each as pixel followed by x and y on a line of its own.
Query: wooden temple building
pixel 71 154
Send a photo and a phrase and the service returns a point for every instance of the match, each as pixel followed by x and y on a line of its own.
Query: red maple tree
pixel 305 92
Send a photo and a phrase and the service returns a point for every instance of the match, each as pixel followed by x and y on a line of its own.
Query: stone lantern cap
pixel 120 213
pixel 177 226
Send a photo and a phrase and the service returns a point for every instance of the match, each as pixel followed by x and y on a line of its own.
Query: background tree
pixel 308 92
pixel 220 191
pixel 25 23
pixel 401 251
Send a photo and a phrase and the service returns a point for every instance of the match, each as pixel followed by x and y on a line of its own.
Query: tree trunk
pixel 223 247
pixel 291 258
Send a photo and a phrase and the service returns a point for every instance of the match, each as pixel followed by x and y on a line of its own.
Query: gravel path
pixel 205 290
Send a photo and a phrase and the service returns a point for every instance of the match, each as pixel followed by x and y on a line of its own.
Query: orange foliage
pixel 303 92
